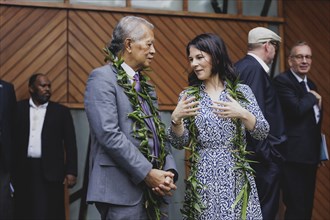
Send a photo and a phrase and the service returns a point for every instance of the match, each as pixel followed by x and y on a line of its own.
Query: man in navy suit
pixel 302 113
pixel 253 70
pixel 7 110
pixel 45 153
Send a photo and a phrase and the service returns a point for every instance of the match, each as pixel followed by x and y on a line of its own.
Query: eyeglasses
pixel 276 44
pixel 300 57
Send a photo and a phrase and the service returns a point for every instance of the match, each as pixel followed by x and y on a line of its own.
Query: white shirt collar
pixel 262 63
pixel 34 105
pixel 130 72
pixel 298 77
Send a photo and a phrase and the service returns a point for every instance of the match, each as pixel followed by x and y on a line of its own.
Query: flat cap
pixel 261 34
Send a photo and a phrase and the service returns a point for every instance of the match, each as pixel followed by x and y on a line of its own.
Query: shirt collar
pixel 262 63
pixel 298 77
pixel 129 71
pixel 34 105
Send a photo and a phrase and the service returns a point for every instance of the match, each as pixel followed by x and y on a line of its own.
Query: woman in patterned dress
pixel 213 111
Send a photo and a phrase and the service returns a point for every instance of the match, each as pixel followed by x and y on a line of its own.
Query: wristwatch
pixel 174 123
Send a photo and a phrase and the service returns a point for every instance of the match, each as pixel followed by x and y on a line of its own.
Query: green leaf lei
pixel 240 153
pixel 152 202
pixel 193 205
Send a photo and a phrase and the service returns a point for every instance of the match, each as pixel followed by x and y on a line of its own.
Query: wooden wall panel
pixel 67 44
pixel 34 40
pixel 310 21
pixel 88 32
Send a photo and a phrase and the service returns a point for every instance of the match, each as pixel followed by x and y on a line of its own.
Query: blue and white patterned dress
pixel 221 183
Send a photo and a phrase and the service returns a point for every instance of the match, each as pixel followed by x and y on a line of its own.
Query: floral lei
pixel 140 129
pixel 193 205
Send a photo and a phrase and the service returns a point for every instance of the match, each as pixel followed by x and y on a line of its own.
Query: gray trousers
pixel 120 212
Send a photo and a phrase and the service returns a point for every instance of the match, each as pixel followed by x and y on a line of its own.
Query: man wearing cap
pixel 253 70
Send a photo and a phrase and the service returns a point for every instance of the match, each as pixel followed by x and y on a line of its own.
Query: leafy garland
pixel 240 153
pixel 152 201
pixel 193 205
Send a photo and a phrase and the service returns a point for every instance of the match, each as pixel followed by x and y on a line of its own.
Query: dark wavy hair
pixel 216 48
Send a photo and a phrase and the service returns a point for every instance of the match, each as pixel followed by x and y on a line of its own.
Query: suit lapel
pixel 26 118
pixel 296 83
pixel 311 85
pixel 47 118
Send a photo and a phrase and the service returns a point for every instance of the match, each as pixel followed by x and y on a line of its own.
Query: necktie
pixel 316 108
pixel 303 86
pixel 137 82
pixel 149 121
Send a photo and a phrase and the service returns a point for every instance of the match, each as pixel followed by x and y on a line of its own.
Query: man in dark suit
pixel 130 161
pixel 253 70
pixel 45 154
pixel 302 113
pixel 7 111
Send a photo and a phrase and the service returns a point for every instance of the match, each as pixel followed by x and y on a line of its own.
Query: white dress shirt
pixel 37 117
pixel 129 71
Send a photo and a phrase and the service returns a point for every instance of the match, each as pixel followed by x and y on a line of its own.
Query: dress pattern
pixel 221 183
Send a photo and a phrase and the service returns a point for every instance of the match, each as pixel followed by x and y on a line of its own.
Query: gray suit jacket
pixel 117 167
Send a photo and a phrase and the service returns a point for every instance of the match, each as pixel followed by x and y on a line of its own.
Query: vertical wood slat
pixel 280 8
pixel 282 48
pixel 128 3
pixel 239 5
pixel 185 5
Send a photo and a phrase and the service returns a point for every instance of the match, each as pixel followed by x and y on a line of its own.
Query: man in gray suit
pixel 132 170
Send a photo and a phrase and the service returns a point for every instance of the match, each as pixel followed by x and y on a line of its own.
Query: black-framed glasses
pixel 276 44
pixel 300 57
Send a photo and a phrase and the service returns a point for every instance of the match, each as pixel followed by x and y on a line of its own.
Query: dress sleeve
pixel 261 128
pixel 179 142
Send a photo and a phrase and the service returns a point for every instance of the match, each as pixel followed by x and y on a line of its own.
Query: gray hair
pixel 127 27
pixel 297 44
pixel 253 46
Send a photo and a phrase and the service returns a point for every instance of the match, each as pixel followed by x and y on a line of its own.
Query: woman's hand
pixel 231 109
pixel 185 108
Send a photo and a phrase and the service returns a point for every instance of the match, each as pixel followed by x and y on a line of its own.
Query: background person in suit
pixel 253 70
pixel 117 100
pixel 302 113
pixel 46 153
pixel 7 111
